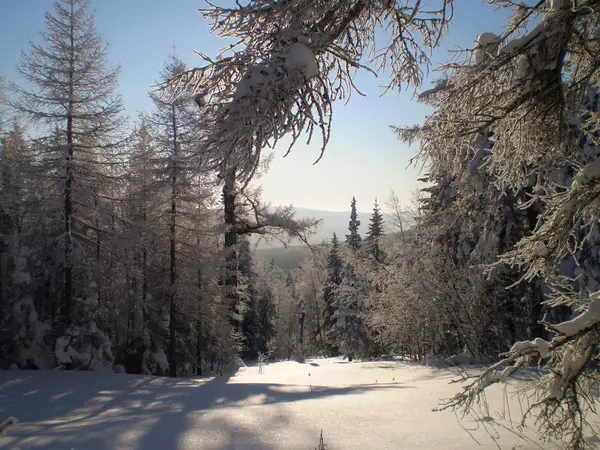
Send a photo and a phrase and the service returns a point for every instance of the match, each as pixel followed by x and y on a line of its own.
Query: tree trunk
pixel 1 282
pixel 98 249
pixel 172 296
pixel 231 256
pixel 302 316
pixel 317 313
pixel 68 206
pixel 199 320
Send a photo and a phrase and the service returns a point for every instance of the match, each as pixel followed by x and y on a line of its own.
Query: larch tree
pixel 143 209
pixel 275 79
pixel 176 130
pixel 70 87
pixel 532 93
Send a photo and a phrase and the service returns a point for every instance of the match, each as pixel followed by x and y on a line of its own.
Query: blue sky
pixel 364 157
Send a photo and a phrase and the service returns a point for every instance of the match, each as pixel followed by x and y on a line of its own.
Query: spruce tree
pixel 353 239
pixel 374 234
pixel 349 329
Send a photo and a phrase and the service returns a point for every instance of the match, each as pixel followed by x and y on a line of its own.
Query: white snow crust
pixel 589 173
pixel 587 319
pixel 487 39
pixel 360 405
pixel 301 58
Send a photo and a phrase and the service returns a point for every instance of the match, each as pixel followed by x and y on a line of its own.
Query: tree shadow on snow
pixel 98 411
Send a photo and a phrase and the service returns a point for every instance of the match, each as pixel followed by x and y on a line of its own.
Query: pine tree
pixel 71 89
pixel 374 234
pixel 353 239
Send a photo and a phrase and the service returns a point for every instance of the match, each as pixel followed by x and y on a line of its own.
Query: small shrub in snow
pixel 321 445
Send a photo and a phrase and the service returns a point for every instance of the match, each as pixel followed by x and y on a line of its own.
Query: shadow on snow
pixel 100 411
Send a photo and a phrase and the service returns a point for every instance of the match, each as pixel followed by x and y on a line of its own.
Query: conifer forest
pixel 127 242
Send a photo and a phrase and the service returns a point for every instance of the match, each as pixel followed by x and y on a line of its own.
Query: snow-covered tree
pixel 516 118
pixel 374 233
pixel 349 329
pixel 70 88
pixel 353 239
pixel 334 280
pixel 292 60
pixel 176 130
pixel 20 319
pixel 264 318
pixel 3 102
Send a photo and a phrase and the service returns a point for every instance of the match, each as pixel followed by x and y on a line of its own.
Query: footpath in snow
pixel 358 405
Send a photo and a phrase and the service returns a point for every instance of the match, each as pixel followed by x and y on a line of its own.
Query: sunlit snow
pixel 371 405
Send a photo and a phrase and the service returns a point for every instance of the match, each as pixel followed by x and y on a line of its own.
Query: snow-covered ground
pixel 370 405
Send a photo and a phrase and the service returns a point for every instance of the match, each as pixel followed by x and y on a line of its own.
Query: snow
pixel 587 319
pixel 512 47
pixel 478 157
pixel 543 347
pixel 588 174
pixel 254 79
pixel 485 39
pixel 301 58
pixel 538 344
pixel 486 44
pixel 359 405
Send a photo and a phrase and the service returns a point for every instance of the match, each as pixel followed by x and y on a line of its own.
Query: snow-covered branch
pixel 291 60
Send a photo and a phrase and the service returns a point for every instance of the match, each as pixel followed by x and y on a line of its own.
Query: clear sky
pixel 364 158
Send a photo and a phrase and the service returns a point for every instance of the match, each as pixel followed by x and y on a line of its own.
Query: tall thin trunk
pixel 302 316
pixel 1 282
pixel 143 238
pixel 231 241
pixel 172 297
pixel 199 322
pixel 317 313
pixel 68 206
pixel 98 248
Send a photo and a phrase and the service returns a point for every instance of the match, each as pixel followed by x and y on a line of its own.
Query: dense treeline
pixel 131 251
pixel 112 241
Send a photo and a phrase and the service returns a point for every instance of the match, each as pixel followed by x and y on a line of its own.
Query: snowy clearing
pixel 375 405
